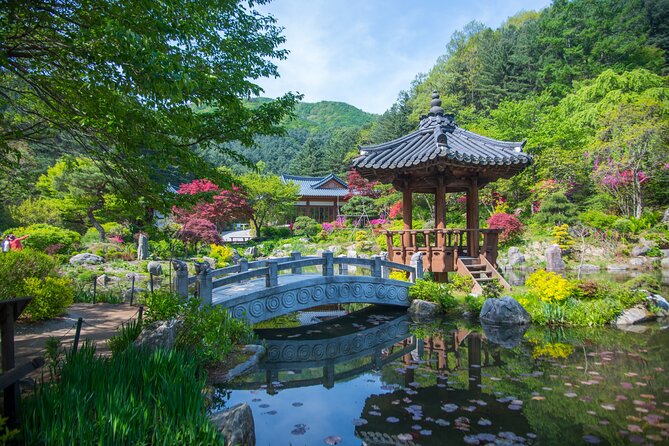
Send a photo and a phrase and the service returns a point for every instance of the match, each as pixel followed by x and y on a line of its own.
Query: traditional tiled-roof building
pixel 320 197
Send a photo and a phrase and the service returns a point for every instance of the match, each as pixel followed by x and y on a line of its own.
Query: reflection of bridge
pixel 257 291
pixel 300 349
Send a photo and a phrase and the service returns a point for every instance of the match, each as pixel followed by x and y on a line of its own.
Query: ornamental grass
pixel 134 397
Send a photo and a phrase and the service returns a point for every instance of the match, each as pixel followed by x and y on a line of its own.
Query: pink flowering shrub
pixel 509 224
pixel 327 227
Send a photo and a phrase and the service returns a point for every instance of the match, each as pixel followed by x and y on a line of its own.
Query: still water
pixel 376 378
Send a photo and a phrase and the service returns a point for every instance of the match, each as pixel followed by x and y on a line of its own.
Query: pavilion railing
pixel 442 247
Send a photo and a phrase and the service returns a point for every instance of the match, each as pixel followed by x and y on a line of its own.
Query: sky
pixel 365 52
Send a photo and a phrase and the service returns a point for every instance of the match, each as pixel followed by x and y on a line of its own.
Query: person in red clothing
pixel 15 242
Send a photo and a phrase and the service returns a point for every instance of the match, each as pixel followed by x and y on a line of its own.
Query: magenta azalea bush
pixel 509 224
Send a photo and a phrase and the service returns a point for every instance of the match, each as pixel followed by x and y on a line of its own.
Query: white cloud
pixel 365 52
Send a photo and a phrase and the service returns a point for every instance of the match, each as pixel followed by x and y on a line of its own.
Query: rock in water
pixel 508 336
pixel 421 309
pixel 635 315
pixel 503 311
pixel 155 268
pixel 237 425
pixel 515 257
pixel 554 260
pixel 142 247
pixel 86 259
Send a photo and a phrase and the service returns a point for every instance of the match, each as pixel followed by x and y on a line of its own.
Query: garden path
pixel 100 323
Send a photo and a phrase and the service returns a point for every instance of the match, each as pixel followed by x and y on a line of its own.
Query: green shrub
pixel 16 266
pixel 112 229
pixel 556 210
pixel 162 306
pixel 209 333
pixel 125 336
pixel 306 227
pixel 163 249
pixel 51 296
pixel 223 254
pixel 597 219
pixel 275 232
pixel 439 293
pixel 592 313
pixel 474 304
pixel 622 225
pixel 134 397
pixel 44 236
pixel 492 289
pixel 654 252
pixel 646 282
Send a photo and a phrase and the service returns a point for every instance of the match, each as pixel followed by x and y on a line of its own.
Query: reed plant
pixel 134 397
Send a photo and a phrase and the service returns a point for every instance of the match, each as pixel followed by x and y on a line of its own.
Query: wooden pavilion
pixel 441 158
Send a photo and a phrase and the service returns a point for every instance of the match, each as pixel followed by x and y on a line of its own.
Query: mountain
pixel 325 131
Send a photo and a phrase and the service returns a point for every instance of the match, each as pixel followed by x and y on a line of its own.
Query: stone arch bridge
pixel 265 289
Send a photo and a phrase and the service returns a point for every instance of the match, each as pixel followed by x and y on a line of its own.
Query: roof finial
pixel 436 109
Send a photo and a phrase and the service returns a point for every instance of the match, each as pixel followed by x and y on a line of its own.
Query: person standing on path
pixel 5 244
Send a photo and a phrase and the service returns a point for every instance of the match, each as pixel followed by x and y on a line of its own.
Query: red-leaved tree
pixel 359 186
pixel 213 204
pixel 196 230
pixel 509 224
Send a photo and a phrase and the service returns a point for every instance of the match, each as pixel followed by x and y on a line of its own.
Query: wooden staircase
pixel 481 271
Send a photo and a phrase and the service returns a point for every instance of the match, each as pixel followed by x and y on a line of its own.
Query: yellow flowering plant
pixel 549 286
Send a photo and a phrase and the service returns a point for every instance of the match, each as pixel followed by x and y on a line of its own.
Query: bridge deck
pixel 229 292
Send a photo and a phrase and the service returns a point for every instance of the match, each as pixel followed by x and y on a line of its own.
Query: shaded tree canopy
pixel 127 81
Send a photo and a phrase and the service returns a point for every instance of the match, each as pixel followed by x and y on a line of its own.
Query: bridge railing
pixel 270 268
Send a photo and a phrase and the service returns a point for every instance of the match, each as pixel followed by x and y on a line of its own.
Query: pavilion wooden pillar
pixel 407 208
pixel 473 218
pixel 440 223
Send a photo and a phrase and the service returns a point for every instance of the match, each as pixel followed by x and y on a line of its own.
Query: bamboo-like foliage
pixel 136 397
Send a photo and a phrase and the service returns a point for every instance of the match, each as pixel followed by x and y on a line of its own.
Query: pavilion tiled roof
pixel 439 140
pixel 313 186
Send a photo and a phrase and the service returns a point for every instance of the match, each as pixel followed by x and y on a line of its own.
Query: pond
pixel 375 378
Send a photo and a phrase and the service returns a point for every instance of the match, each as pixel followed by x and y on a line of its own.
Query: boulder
pixel 86 258
pixel 162 335
pixel 235 256
pixel 588 268
pixel 251 251
pixel 334 249
pixel 423 310
pixel 665 263
pixel 515 257
pixel 554 260
pixel 237 425
pixel 155 268
pixel 637 262
pixel 665 217
pixel 102 280
pixel 142 247
pixel 507 336
pixel 635 315
pixel 640 250
pixel 503 311
pixel 351 253
pixel 617 267
pixel 128 293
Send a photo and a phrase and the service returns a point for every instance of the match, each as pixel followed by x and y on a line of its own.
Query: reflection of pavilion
pixel 364 334
pixel 433 353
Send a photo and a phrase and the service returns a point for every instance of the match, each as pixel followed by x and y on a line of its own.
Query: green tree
pixel 82 187
pixel 269 197
pixel 137 85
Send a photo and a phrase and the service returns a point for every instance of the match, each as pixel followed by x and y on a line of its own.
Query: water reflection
pixel 374 378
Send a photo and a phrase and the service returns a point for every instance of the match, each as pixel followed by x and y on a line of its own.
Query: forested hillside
pixel 316 142
pixel 583 81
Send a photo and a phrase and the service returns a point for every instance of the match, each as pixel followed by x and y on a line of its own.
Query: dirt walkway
pixel 100 323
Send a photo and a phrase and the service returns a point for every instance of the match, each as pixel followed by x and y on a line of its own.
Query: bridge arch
pixel 313 291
